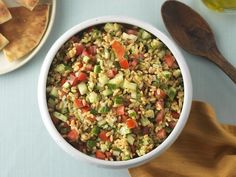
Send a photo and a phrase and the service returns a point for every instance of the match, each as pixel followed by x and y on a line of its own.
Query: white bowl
pixel 114 164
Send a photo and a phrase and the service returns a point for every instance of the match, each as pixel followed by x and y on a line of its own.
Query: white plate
pixel 5 65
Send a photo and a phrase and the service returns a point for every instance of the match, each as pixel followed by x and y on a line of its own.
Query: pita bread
pixel 29 4
pixel 25 30
pixel 5 15
pixel 3 41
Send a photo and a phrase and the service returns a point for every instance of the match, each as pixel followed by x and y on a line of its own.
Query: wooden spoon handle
pixel 216 57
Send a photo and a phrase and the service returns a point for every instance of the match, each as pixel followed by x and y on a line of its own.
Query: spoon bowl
pixel 194 34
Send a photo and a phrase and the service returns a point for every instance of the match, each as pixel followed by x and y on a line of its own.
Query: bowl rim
pixel 82 156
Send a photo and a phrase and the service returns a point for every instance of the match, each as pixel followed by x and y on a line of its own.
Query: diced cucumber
pixel 132 113
pixel 86 59
pixel 124 130
pixel 51 103
pixel 97 69
pixel 171 93
pixel 133 94
pixel 117 27
pixel 127 157
pixel 101 122
pixel 82 88
pixel 146 35
pixel 54 92
pixel 117 80
pixel 109 27
pixel 155 44
pixel 145 122
pixel 130 139
pixel 131 37
pixel 112 86
pixel 116 153
pixel 91 144
pixel 167 74
pixel 129 85
pixel 91 85
pixel 60 116
pixel 149 113
pixel 106 54
pixel 66 85
pixel 60 68
pixel 107 92
pixel 102 79
pixel 93 97
pixel 177 73
pixel 104 147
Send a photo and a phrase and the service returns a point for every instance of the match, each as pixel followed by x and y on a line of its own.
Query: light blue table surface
pixel 27 150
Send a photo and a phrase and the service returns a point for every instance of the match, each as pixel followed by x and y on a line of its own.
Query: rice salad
pixel 114 91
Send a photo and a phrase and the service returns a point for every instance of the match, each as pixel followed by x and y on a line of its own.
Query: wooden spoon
pixel 193 34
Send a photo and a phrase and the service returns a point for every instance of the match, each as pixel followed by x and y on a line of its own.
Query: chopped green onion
pixel 95 130
pixel 91 144
pixel 104 109
pixel 94 112
pixel 118 100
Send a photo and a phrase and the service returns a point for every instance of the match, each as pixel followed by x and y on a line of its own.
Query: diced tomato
pixel 132 31
pixel 172 124
pixel 74 39
pixel 90 29
pixel 61 93
pixel 92 118
pixel 169 60
pixel 108 154
pixel 79 49
pixel 160 116
pixel 92 50
pixel 102 135
pixel 160 94
pixel 175 114
pixel 85 53
pixel 120 110
pixel 55 120
pixel 82 76
pixel 73 79
pixel 124 118
pixel 63 80
pixel 133 63
pixel 119 49
pixel 67 58
pixel 72 74
pixel 146 130
pixel 161 134
pixel 73 135
pixel 111 73
pixel 85 109
pixel 131 123
pixel 160 105
pixel 124 63
pixel 78 103
pixel 89 67
pixel 100 155
pixel 72 118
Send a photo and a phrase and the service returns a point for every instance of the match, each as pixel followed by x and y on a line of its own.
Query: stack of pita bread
pixel 21 28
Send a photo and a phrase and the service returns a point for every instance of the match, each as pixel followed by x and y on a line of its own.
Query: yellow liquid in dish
pixel 220 5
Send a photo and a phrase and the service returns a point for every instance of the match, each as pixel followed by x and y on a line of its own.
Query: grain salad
pixel 114 91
